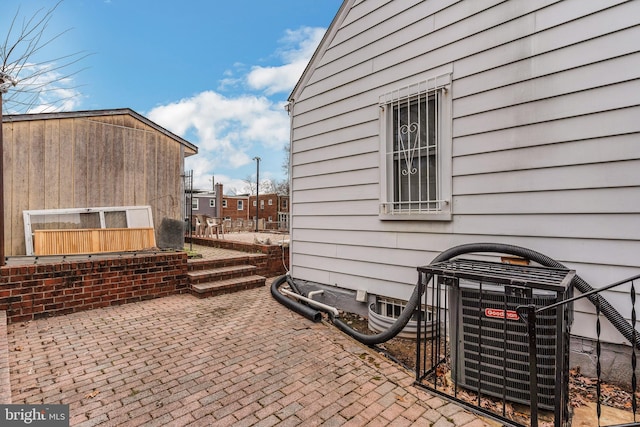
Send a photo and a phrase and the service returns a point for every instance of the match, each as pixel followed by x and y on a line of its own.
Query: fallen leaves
pixel 441 373
pixel 583 390
pixel 91 395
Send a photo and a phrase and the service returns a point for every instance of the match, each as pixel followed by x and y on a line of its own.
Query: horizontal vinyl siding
pixel 339 179
pixel 338 164
pixel 586 24
pixel 590 51
pixel 550 86
pixel 610 253
pixel 346 193
pixel 573 104
pixel 600 124
pixel 545 138
pixel 581 201
pixel 325 123
pixel 603 175
pixel 613 226
pixel 358 144
pixel 406 50
pixel 617 148
pixel 336 207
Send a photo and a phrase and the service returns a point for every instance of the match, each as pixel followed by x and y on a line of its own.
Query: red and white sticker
pixel 499 314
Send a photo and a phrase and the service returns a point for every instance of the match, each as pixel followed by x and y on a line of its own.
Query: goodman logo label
pixel 500 314
pixel 34 415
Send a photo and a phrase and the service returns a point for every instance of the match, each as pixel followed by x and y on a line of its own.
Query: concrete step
pixel 219 287
pixel 222 273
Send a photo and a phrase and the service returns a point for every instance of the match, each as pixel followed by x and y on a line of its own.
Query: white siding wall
pixel 546 147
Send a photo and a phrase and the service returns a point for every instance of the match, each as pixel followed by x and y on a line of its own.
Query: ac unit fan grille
pixel 502 347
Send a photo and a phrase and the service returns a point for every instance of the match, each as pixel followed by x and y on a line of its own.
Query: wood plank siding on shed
pixel 89 159
pixel 545 147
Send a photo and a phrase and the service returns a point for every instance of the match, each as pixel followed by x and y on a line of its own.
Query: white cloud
pixel 41 89
pixel 300 44
pixel 276 79
pixel 298 48
pixel 221 123
pixel 226 130
pixel 230 130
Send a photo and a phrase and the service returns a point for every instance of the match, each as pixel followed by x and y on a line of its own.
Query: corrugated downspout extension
pixel 626 329
pixel 299 308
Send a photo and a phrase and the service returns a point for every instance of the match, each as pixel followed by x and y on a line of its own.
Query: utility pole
pixel 257 159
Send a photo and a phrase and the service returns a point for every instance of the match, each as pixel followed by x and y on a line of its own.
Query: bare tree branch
pixel 39 85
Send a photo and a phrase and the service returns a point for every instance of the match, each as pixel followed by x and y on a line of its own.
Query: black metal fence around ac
pixel 494 337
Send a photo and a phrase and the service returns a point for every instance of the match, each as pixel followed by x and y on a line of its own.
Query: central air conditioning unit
pixel 492 352
pixel 489 343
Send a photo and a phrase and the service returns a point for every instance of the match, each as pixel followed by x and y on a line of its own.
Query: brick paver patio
pixel 234 360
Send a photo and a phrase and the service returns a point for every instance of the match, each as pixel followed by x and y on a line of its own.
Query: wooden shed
pixel 88 159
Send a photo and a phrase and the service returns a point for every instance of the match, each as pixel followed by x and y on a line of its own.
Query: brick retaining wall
pixel 34 291
pixel 277 256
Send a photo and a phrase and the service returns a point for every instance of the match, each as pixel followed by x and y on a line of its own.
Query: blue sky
pixel 215 72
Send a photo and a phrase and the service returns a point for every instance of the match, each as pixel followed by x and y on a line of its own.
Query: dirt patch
pixel 400 350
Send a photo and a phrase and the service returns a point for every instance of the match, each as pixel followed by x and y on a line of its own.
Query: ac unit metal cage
pixel 488 341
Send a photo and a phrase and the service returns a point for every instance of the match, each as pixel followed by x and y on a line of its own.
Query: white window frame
pixel 212 203
pixel 240 205
pixel 283 218
pixel 270 202
pixel 195 203
pixel 439 206
pixel 224 203
pixel 136 217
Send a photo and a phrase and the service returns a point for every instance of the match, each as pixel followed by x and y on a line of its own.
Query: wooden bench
pixel 92 240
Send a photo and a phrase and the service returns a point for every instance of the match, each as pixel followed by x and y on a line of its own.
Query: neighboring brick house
pixel 235 208
pixel 240 210
pixel 274 209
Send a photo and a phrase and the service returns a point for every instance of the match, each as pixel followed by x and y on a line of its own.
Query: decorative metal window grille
pixel 413 149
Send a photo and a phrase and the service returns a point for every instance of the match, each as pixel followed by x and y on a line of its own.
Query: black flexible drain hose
pixel 626 329
pixel 299 308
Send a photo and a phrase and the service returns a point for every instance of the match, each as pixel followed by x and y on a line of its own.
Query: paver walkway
pixel 233 360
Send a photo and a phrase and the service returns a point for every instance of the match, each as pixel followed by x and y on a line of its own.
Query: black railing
pixel 530 313
pixel 496 340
